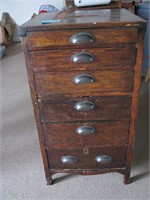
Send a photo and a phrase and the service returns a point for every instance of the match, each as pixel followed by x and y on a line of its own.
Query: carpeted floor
pixel 22 173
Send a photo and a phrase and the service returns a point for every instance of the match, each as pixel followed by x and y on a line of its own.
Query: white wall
pixel 22 10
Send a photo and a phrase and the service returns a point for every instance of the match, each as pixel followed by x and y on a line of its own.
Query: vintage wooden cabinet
pixel 84 76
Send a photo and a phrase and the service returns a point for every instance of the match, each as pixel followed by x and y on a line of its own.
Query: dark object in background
pixel 2 51
pixel 144 12
pixel 131 5
pixel 47 8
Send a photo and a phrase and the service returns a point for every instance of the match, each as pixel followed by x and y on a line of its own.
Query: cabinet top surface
pixel 84 19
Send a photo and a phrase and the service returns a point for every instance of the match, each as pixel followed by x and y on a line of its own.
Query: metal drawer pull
pixel 103 159
pixel 85 105
pixel 83 57
pixel 82 37
pixel 69 159
pixel 84 78
pixel 85 130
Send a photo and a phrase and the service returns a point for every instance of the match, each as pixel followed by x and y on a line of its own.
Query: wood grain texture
pixel 92 171
pixel 104 58
pixel 61 109
pixel 108 133
pixel 88 161
pixel 104 18
pixel 48 84
pixel 117 50
pixel 135 103
pixel 104 37
pixel 36 110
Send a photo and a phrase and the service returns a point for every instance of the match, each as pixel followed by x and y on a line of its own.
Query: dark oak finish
pixel 54 109
pixel 88 161
pixel 48 84
pixel 76 136
pixel 85 19
pixel 64 136
pixel 103 37
pixel 104 58
pixel 36 112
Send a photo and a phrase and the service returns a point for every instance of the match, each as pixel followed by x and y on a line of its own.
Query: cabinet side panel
pixel 36 107
pixel 135 103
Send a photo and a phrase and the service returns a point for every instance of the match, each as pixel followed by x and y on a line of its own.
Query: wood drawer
pixel 69 109
pixel 103 37
pixel 103 58
pixel 117 81
pixel 118 155
pixel 90 135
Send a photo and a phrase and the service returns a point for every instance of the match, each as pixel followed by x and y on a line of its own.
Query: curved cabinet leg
pixel 127 177
pixel 49 181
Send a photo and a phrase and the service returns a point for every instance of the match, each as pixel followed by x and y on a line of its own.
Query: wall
pixel 22 10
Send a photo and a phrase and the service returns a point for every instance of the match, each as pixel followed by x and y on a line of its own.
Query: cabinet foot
pixel 127 178
pixel 49 181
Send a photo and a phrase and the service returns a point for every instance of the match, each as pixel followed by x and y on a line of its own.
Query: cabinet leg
pixel 127 177
pixel 49 181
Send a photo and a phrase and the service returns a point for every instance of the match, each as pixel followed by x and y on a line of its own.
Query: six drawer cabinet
pixel 84 76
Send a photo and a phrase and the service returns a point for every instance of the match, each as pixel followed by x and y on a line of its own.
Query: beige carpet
pixel 21 167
